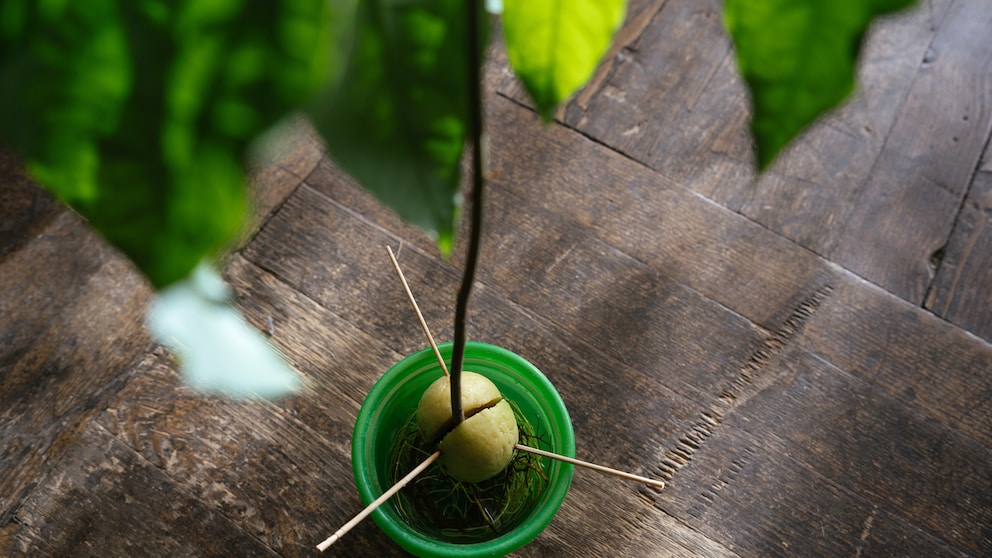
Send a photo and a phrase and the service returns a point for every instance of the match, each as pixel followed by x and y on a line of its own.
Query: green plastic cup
pixel 393 399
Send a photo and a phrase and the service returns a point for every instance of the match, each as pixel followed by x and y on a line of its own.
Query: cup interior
pixel 392 401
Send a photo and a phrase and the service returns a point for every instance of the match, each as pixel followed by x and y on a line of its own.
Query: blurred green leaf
pixel 399 119
pixel 554 46
pixel 138 113
pixel 798 58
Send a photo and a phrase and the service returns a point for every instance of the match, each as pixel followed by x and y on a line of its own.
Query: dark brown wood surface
pixel 805 356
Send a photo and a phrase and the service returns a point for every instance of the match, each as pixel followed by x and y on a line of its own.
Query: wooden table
pixel 804 357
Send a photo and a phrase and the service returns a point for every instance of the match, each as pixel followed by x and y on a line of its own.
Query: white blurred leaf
pixel 217 350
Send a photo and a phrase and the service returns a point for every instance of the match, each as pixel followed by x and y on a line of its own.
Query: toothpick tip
pixel 600 468
pixel 378 501
pixel 416 309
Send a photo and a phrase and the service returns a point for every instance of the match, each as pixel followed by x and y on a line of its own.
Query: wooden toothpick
pixel 593 466
pixel 378 502
pixel 416 308
pixel 426 463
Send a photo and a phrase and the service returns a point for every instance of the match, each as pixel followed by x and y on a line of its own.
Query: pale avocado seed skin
pixel 434 409
pixel 480 446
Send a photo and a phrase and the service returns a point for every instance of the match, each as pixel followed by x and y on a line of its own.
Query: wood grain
pixel 25 208
pixel 747 492
pixel 501 321
pixel 587 379
pixel 634 529
pixel 691 127
pixel 557 258
pixel 873 445
pixel 524 336
pixel 72 329
pixel 732 261
pixel 960 287
pixel 655 112
pixel 104 500
pixel 272 477
pixel 907 209
pixel 284 158
pixel 908 353
pixel 682 235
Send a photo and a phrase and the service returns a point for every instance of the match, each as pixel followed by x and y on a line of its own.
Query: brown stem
pixel 478 187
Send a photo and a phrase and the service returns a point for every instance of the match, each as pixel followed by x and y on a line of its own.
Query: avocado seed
pixel 480 446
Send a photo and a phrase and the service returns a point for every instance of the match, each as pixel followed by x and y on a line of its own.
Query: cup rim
pixel 418 543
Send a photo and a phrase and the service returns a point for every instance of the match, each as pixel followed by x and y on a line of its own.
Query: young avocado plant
pixel 477 446
pixel 463 413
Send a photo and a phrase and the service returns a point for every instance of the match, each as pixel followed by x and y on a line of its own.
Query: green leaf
pixel 138 113
pixel 399 120
pixel 554 46
pixel 798 58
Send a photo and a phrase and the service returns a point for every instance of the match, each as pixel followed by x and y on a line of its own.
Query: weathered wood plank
pixel 612 520
pixel 25 208
pixel 104 500
pixel 812 192
pixel 644 320
pixel 907 209
pixel 527 274
pixel 960 292
pixel 588 381
pixel 195 440
pixel 640 14
pixel 330 180
pixel 596 293
pixel 649 107
pixel 612 302
pixel 284 483
pixel 280 165
pixel 339 361
pixel 908 353
pixel 722 255
pixel 634 103
pixel 332 256
pixel 795 408
pixel 747 493
pixel 73 313
pixel 817 462
pixel 494 319
pixel 891 455
pixel 674 103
